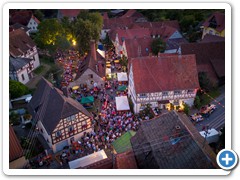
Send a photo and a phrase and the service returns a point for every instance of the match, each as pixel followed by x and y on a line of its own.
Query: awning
pixel 122 103
pixel 122 88
pixel 88 99
pixel 75 87
pixel 122 76
pixel 108 71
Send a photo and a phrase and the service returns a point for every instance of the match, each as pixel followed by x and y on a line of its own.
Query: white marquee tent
pixel 87 160
pixel 122 103
pixel 122 76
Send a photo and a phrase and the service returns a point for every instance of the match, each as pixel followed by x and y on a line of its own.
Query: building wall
pixel 43 131
pixel 104 33
pixel 25 74
pixel 36 61
pixel 208 30
pixel 32 24
pixel 85 79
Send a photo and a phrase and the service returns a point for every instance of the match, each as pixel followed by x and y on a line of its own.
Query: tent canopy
pixel 122 103
pixel 88 99
pixel 122 88
pixel 122 76
pixel 87 160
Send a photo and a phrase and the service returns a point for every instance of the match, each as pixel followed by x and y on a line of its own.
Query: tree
pixel 48 32
pixel 124 62
pixel 204 81
pixel 17 89
pixel 186 109
pixel 187 22
pixel 158 45
pixel 197 102
pixel 38 14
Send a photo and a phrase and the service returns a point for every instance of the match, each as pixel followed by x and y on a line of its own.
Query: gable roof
pixel 49 105
pixel 216 21
pixel 19 42
pixel 124 34
pixel 164 73
pixel 19 26
pixel 138 47
pixel 15 149
pixel 96 64
pixel 17 63
pixel 171 142
pixel 69 12
pixel 132 13
pixel 212 38
pixel 117 23
pixel 159 24
pixel 212 52
pixel 22 17
pixel 175 43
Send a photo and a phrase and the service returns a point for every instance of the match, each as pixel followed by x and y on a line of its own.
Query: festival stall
pixel 122 103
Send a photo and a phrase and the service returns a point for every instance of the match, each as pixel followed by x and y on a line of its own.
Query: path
pixel 33 82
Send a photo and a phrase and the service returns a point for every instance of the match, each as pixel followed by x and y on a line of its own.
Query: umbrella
pixel 75 87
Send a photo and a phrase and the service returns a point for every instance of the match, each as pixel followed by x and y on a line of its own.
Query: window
pixel 190 91
pixel 58 134
pixel 165 93
pixel 177 92
pixel 23 78
pixel 71 118
pixel 34 23
pixel 142 95
pixel 70 128
pixel 33 27
pixel 90 75
pixel 31 23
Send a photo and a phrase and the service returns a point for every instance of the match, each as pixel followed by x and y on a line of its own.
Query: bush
pixel 186 109
pixel 17 89
pixel 14 119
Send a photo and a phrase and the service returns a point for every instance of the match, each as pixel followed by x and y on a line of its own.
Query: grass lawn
pixel 205 99
pixel 39 70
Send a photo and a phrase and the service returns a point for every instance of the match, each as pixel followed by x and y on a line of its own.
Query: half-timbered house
pixel 59 118
pixel 162 81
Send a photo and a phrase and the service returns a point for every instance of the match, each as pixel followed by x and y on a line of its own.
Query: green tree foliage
pixel 187 22
pixel 186 109
pixel 38 14
pixel 197 102
pixel 17 89
pixel 205 82
pixel 48 32
pixel 14 118
pixel 158 45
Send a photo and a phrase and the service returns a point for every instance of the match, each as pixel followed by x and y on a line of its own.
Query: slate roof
pixel 49 105
pixel 15 149
pixel 164 73
pixel 19 26
pixel 175 43
pixel 19 42
pixel 22 17
pixel 171 142
pixel 17 63
pixel 218 18
pixel 208 53
pixel 92 60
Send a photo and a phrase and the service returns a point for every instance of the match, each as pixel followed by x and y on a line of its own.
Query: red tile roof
pixel 117 23
pixel 22 17
pixel 165 32
pixel 212 38
pixel 105 15
pixel 138 47
pixel 220 21
pixel 70 12
pixel 129 34
pixel 168 73
pixel 19 42
pixel 132 13
pixel 126 160
pixel 15 149
pixel 173 24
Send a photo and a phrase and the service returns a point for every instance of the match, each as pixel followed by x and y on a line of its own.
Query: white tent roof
pixel 122 103
pixel 108 70
pixel 87 160
pixel 122 76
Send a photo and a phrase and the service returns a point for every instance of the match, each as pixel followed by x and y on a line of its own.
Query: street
pixel 217 119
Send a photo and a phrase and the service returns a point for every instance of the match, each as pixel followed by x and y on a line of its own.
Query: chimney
pixel 65 91
pixel 93 50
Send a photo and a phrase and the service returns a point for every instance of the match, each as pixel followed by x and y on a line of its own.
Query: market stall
pixel 122 103
pixel 122 76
